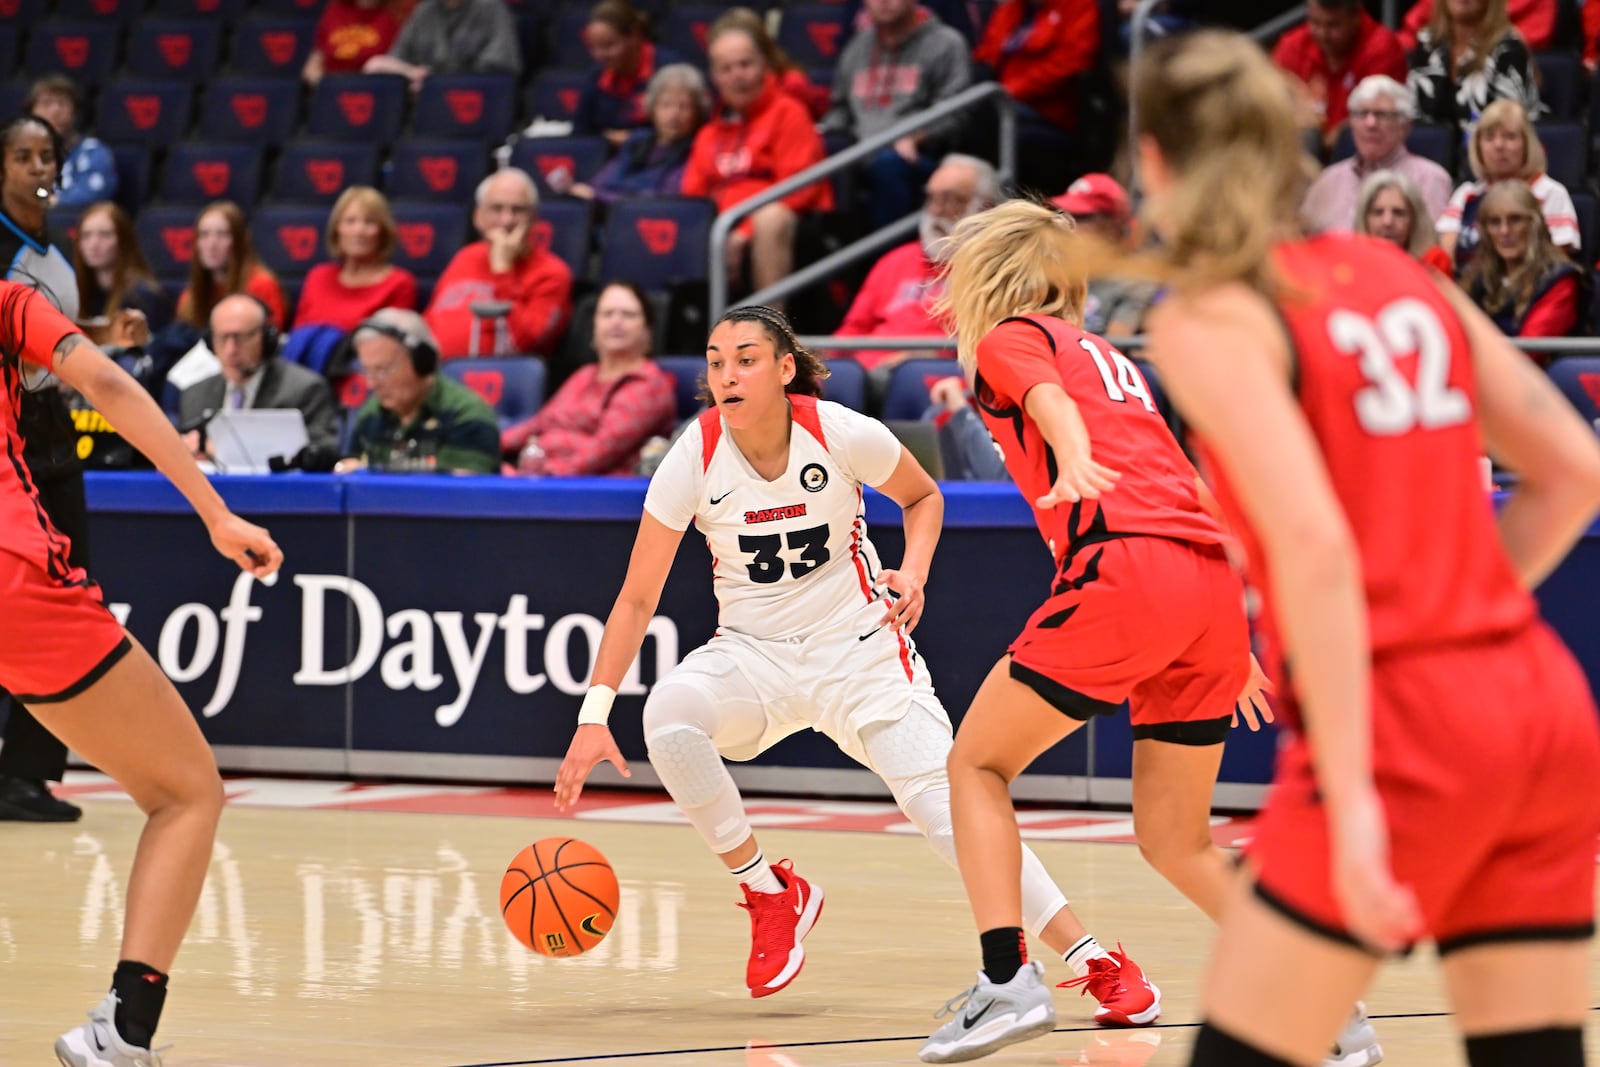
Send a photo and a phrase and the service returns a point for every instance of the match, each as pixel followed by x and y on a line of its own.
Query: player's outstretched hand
pixel 248 545
pixel 906 599
pixel 591 746
pixel 1252 704
pixel 1081 479
pixel 1378 910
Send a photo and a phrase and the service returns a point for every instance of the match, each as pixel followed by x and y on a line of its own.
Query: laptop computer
pixel 921 439
pixel 244 441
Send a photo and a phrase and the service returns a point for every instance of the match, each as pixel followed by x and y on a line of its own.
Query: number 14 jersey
pixel 789 556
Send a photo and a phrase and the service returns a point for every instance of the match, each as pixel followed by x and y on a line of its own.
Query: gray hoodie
pixel 873 88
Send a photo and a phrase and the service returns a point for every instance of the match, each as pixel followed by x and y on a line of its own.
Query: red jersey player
pixel 1437 778
pixel 1145 606
pixel 89 683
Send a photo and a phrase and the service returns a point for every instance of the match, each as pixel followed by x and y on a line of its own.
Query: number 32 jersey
pixel 789 556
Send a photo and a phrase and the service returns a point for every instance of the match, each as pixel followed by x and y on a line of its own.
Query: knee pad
pixel 1553 1046
pixel 688 764
pixel 929 812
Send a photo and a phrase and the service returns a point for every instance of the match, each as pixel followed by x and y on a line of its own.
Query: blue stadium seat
pixel 909 382
pixel 167 236
pixel 684 30
pixel 223 11
pixel 84 49
pixel 657 242
pixel 512 385
pixel 134 172
pixel 262 111
pixel 120 12
pixel 316 172
pixel 365 107
pixel 847 384
pixel 553 94
pixel 1584 204
pixel 445 170
pixel 813 34
pixel 12 94
pixel 1579 379
pixel 180 49
pixel 10 45
pixel 23 13
pixel 1566 143
pixel 289 7
pixel 198 172
pixel 288 237
pixel 271 46
pixel 62 223
pixel 564 228
pixel 686 371
pixel 539 156
pixel 144 111
pixel 476 106
pixel 1560 82
pixel 564 36
pixel 428 235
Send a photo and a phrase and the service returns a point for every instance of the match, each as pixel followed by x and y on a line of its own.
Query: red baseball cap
pixel 1095 194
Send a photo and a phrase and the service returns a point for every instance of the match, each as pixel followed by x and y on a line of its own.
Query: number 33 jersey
pixel 789 556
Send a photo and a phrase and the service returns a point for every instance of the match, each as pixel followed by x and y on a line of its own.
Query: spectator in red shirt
pixel 504 267
pixel 602 415
pixel 898 296
pixel 762 136
pixel 1339 45
pixel 1036 49
pixel 224 263
pixel 1534 19
pixel 359 279
pixel 350 32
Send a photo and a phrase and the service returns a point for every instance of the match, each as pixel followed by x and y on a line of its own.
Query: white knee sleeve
pixel 678 730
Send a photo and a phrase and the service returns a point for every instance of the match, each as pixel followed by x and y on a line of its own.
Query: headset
pixel 424 355
pixel 270 338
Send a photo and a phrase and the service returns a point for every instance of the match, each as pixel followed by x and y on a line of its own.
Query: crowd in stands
pixel 482 225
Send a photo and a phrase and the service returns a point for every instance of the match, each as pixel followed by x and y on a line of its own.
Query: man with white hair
pixel 506 266
pixel 1381 110
pixel 897 298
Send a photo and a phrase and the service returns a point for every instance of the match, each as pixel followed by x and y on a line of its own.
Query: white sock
pixel 757 874
pixel 1079 955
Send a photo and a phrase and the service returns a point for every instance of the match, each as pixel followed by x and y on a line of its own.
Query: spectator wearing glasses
pixel 1381 110
pixel 1505 146
pixel 505 266
pixel 1520 278
pixel 1339 46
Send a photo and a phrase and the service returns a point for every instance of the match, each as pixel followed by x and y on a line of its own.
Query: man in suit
pixel 246 344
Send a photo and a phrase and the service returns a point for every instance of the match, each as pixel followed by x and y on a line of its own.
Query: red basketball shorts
pixel 1152 621
pixel 56 636
pixel 1486 755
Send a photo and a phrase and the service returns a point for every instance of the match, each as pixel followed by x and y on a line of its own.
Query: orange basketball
pixel 559 896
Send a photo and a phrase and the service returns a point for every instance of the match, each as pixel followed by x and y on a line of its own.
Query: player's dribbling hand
pixel 591 746
pixel 1082 479
pixel 903 590
pixel 248 545
pixel 1379 911
pixel 1252 704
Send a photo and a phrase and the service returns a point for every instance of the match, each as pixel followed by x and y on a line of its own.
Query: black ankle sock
pixel 1004 953
pixel 141 991
pixel 1551 1047
pixel 1214 1048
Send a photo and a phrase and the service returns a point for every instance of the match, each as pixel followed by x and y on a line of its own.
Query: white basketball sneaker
pixel 97 1044
pixel 1358 1043
pixel 988 1017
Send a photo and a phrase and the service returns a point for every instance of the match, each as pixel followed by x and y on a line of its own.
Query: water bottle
pixel 530 461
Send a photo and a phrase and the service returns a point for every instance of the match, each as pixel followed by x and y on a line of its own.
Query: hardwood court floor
pixel 364 930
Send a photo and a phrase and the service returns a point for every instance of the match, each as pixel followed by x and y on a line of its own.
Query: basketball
pixel 559 896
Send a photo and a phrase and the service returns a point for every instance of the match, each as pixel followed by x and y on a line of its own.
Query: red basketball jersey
pixel 30 329
pixel 1383 370
pixel 1157 494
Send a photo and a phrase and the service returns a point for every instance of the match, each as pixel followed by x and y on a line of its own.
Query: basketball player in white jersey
pixel 812 632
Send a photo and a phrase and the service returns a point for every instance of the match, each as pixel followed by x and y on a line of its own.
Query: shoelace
pixel 768 916
pixel 954 1004
pixel 1087 980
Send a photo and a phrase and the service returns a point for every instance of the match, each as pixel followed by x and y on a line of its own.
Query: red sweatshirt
pixel 539 288
pixel 736 156
pixel 1036 64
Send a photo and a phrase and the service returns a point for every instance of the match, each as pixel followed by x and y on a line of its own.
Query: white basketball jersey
pixel 791 555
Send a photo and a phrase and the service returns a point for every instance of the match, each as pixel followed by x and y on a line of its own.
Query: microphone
pixel 198 422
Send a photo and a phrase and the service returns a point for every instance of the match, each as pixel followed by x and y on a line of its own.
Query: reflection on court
pixel 341 937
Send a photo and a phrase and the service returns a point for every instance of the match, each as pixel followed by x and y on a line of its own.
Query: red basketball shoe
pixel 1126 996
pixel 778 923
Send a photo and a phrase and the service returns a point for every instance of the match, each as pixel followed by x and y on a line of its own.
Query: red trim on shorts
pixel 710 435
pixel 805 413
pixel 905 654
pixel 855 551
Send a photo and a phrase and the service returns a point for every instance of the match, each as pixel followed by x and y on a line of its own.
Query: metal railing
pixel 717 268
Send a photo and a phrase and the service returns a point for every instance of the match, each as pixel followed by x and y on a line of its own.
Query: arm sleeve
pixel 540 303
pixel 674 489
pixel 1015 357
pixel 1555 313
pixel 635 409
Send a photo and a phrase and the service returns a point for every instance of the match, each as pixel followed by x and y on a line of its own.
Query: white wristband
pixel 596 705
